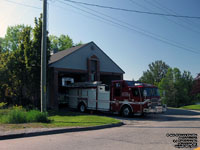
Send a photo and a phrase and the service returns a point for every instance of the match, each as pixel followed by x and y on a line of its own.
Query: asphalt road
pixel 147 133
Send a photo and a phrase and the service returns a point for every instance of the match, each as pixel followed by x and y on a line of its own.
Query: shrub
pixel 37 116
pixel 15 116
pixel 2 105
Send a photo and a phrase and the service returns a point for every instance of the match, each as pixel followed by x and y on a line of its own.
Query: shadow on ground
pixel 170 115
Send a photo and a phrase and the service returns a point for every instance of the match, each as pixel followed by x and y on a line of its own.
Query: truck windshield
pixel 130 83
pixel 151 91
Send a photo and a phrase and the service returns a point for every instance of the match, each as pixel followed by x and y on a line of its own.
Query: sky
pixel 132 40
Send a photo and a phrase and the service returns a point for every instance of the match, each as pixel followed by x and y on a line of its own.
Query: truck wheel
pixel 82 107
pixel 126 111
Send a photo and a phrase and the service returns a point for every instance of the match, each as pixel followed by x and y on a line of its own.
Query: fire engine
pixel 123 97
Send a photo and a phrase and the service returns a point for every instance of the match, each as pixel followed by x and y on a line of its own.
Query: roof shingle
pixel 61 54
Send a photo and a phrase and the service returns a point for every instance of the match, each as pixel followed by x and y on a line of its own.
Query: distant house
pixel 82 63
pixel 196 86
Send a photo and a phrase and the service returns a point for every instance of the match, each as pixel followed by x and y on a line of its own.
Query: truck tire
pixel 126 111
pixel 82 107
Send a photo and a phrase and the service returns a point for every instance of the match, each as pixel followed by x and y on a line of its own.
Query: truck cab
pixel 129 97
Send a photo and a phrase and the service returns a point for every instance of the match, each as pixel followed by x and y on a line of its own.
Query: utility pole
pixel 43 58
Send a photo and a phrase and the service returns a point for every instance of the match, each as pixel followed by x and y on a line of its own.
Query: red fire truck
pixel 124 97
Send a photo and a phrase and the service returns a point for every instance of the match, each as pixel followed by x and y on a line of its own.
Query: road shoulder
pixel 30 132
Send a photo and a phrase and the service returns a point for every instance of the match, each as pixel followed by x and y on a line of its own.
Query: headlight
pixel 149 104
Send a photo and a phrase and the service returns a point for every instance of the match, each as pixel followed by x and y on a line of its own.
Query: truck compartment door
pixel 91 98
pixel 104 100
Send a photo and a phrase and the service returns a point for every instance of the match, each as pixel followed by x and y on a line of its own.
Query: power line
pixel 117 24
pixel 22 4
pixel 177 23
pixel 71 10
pixel 172 11
pixel 133 26
pixel 165 17
pixel 94 15
pixel 141 6
pixel 140 32
pixel 135 11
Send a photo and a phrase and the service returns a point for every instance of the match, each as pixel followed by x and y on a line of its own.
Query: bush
pixel 19 115
pixel 15 116
pixel 37 116
pixel 2 105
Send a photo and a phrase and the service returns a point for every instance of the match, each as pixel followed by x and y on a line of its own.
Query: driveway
pixel 153 132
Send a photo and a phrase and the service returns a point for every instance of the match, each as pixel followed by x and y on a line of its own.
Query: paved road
pixel 148 133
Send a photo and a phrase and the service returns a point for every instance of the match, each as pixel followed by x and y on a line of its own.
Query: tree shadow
pixel 173 111
pixel 65 112
pixel 170 115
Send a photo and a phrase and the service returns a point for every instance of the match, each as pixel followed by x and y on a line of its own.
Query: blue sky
pixel 130 49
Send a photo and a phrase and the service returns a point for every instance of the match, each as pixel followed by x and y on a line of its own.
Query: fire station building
pixel 84 63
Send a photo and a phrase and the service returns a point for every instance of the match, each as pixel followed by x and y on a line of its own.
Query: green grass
pixel 192 107
pixel 80 120
pixel 17 115
pixel 63 118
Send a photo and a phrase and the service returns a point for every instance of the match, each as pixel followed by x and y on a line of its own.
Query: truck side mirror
pixel 144 93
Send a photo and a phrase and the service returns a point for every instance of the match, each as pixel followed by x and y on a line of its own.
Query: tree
pixel 1 42
pixel 13 69
pixel 167 88
pixel 157 70
pixel 60 43
pixel 33 60
pixel 79 43
pixel 177 88
pixel 20 68
pixel 11 40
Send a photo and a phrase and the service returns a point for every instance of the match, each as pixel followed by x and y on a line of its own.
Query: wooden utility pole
pixel 43 58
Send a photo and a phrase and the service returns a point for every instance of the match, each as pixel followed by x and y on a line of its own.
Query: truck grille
pixel 154 102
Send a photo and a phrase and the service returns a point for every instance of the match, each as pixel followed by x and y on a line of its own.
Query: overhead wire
pixel 22 4
pixel 141 31
pixel 94 18
pixel 172 11
pixel 145 33
pixel 135 11
pixel 165 17
pixel 133 26
pixel 174 21
pixel 138 4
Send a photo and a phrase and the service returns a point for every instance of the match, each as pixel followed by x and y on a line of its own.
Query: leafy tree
pixel 167 88
pixel 54 42
pixel 60 43
pixel 79 43
pixel 14 66
pixel 11 40
pixel 20 68
pixel 1 42
pixel 33 59
pixel 177 88
pixel 157 70
pixel 65 42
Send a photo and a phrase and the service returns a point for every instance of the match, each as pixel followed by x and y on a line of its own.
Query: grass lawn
pixel 64 119
pixel 192 107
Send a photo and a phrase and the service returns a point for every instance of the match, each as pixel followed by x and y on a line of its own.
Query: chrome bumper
pixel 157 109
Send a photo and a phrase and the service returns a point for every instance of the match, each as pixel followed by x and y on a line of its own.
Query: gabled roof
pixel 59 55
pixel 59 58
pixel 198 77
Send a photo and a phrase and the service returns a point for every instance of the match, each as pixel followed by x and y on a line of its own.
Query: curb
pixel 58 131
